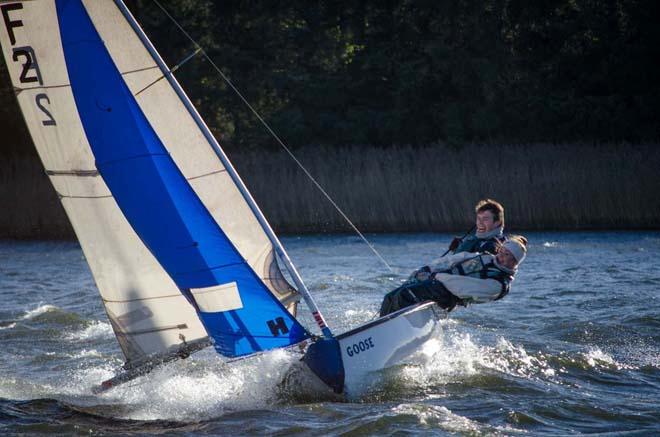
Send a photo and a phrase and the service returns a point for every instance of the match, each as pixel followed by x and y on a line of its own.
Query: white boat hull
pixel 386 342
pixel 371 348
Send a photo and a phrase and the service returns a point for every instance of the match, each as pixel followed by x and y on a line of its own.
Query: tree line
pixel 412 72
pixel 420 72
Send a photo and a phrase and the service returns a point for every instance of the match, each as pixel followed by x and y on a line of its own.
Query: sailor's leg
pixel 438 293
pixel 398 298
pixel 410 294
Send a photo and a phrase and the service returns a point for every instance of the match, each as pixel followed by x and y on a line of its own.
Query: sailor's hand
pixel 454 243
pixel 422 274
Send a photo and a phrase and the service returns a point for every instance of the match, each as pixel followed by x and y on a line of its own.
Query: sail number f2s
pixel 26 58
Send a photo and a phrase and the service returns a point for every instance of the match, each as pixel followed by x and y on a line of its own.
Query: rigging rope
pixel 272 132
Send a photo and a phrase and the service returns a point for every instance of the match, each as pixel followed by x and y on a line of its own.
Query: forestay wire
pixel 201 50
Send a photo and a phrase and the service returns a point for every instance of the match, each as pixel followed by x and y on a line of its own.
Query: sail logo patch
pixel 135 316
pixel 219 298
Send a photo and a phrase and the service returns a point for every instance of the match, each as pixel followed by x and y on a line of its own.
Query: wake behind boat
pixel 181 254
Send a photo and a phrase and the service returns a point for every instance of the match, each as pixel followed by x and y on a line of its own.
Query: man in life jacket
pixel 461 279
pixel 488 230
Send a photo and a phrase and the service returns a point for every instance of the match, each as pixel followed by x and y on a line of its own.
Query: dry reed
pixel 29 207
pixel 434 188
pixel 543 186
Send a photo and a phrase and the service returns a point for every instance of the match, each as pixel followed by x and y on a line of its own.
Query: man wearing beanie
pixel 488 230
pixel 461 279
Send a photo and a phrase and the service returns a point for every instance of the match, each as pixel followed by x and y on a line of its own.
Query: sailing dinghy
pixel 181 254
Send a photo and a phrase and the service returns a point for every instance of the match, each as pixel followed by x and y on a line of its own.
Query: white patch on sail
pixel 223 297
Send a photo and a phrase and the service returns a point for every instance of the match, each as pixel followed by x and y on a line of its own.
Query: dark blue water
pixel 574 348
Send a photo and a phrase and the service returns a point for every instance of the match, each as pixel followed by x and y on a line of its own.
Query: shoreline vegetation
pixel 403 188
pixel 407 113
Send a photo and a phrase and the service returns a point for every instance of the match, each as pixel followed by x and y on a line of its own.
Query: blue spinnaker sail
pixel 160 204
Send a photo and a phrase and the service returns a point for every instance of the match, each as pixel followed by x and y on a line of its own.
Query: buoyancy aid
pixel 483 267
pixel 486 243
pixel 433 283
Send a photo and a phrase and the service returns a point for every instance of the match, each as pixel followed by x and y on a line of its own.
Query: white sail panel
pixel 129 279
pixel 147 328
pixel 187 145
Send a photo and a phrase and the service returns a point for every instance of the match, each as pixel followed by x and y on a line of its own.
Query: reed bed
pixel 404 189
pixel 29 207
pixel 434 188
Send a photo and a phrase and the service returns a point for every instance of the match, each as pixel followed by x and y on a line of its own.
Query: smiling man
pixel 461 279
pixel 489 229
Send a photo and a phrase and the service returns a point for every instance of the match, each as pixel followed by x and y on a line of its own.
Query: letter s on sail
pixel 49 121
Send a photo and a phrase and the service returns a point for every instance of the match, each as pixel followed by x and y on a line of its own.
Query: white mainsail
pixel 146 309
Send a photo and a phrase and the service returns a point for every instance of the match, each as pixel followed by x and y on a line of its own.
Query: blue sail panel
pixel 158 201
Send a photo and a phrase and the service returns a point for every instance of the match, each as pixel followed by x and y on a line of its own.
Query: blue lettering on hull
pixel 360 346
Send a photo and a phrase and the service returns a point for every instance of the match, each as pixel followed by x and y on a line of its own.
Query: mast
pixel 279 248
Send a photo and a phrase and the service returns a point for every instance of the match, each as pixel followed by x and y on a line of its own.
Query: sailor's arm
pixel 466 245
pixel 472 289
pixel 447 261
pixel 440 264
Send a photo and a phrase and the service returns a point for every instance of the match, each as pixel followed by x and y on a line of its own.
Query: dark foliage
pixel 412 72
pixel 419 72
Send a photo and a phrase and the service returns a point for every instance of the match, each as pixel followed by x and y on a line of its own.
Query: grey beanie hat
pixel 517 248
